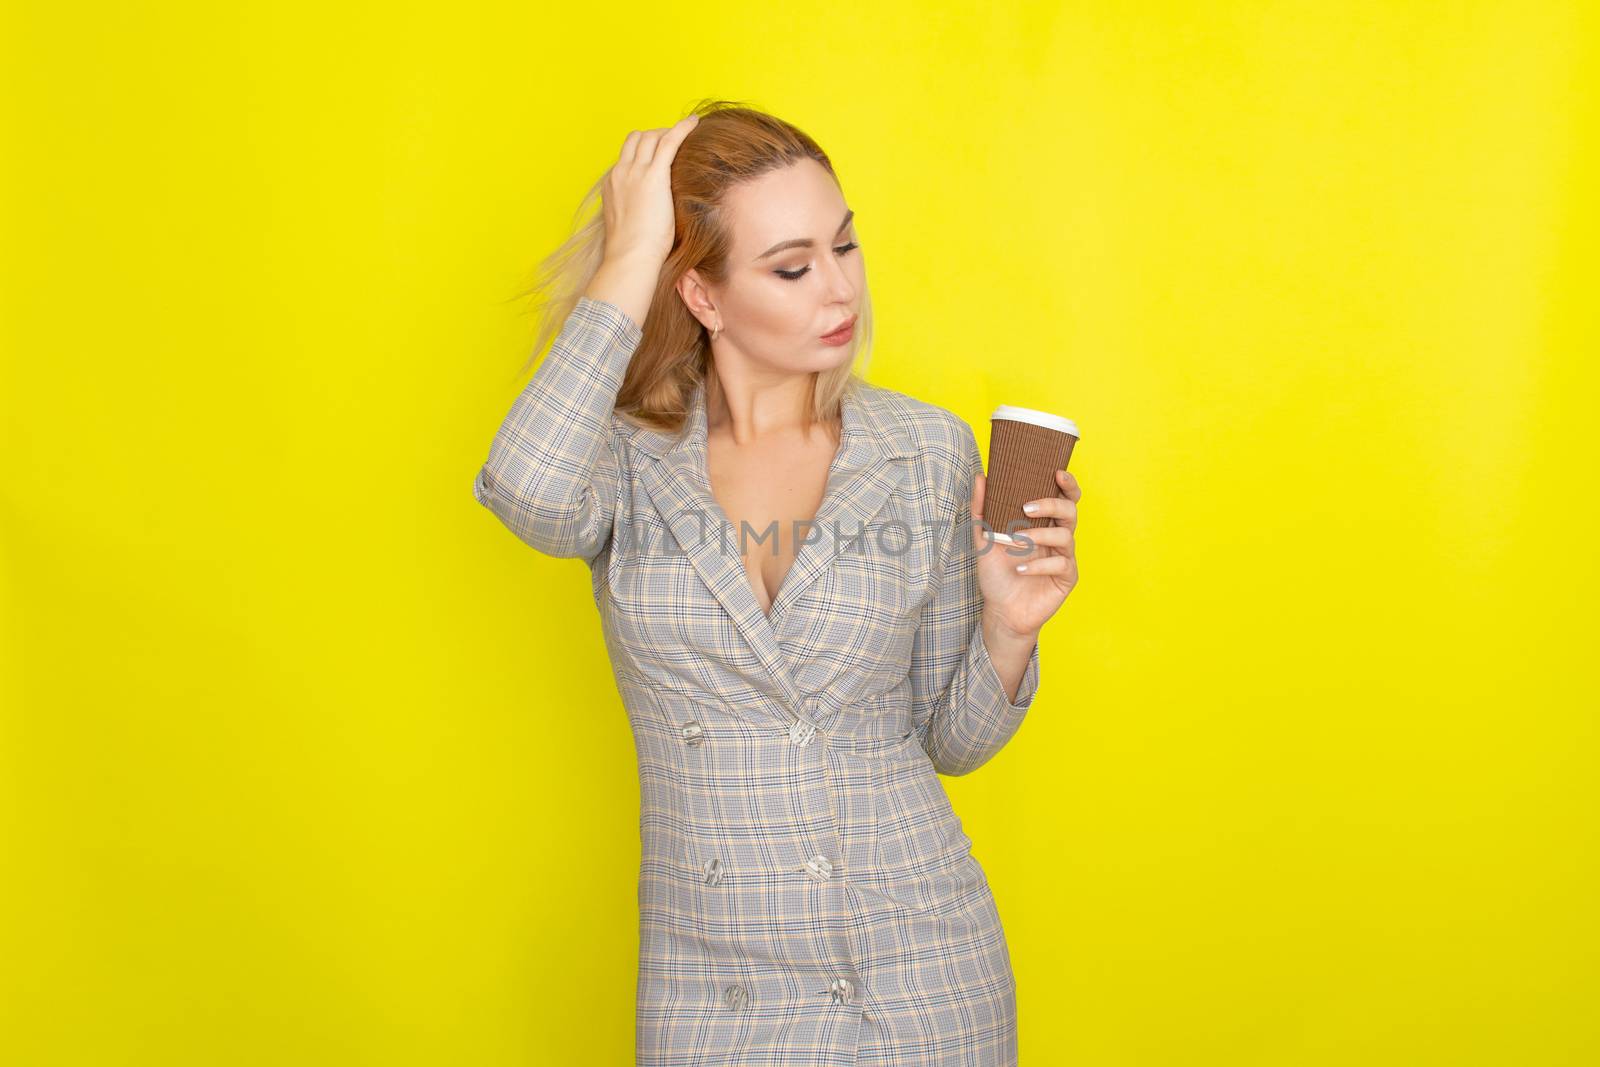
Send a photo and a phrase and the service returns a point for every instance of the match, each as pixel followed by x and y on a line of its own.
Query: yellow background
pixel 307 760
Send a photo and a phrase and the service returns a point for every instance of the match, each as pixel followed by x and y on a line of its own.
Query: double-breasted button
pixel 736 996
pixel 713 871
pixel 819 868
pixel 840 989
pixel 693 733
pixel 801 732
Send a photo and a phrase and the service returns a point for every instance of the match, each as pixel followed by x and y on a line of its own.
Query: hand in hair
pixel 637 199
pixel 637 193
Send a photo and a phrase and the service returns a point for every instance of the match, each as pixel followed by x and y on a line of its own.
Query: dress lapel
pixel 859 480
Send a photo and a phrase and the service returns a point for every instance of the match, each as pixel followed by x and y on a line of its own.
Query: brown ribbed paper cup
pixel 1026 448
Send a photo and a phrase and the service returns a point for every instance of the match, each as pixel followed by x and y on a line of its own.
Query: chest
pixel 681 609
pixel 769 495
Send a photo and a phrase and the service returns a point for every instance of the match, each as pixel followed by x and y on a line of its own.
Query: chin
pixel 838 359
pixel 824 362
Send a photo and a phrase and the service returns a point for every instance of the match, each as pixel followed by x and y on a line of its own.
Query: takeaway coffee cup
pixel 1026 448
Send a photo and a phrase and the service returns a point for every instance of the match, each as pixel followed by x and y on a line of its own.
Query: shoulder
pixel 935 433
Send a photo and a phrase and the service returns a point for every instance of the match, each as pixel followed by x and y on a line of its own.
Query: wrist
pixel 997 634
pixel 627 280
pixel 634 258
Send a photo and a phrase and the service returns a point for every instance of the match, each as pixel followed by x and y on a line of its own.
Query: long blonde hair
pixel 732 143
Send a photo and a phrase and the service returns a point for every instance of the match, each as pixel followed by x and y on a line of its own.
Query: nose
pixel 841 289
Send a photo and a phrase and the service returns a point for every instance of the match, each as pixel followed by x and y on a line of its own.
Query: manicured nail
pixel 1030 508
pixel 1022 567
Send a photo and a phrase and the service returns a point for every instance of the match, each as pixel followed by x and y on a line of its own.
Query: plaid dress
pixel 806 893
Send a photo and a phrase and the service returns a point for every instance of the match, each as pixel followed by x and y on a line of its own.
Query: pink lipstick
pixel 843 334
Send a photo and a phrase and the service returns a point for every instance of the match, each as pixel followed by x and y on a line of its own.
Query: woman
pixel 806 624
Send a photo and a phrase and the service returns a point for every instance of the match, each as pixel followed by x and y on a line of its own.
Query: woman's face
pixel 795 271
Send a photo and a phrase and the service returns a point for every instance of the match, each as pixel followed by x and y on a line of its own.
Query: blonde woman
pixel 806 623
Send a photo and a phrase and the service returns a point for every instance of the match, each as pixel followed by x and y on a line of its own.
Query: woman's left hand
pixel 1022 601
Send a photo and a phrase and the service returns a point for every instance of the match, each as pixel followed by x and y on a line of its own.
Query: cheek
pixel 771 312
pixel 785 318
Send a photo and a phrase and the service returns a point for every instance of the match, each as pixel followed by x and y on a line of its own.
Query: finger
pixel 671 138
pixel 630 148
pixel 668 146
pixel 1021 542
pixel 1069 486
pixel 647 147
pixel 1057 508
pixel 1057 537
pixel 1045 565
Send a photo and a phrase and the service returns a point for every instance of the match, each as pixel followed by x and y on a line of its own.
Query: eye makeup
pixel 795 275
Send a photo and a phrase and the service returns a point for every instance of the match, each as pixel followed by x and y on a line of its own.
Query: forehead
pixel 800 200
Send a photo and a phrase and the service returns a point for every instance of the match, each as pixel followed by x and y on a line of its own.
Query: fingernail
pixel 1030 508
pixel 1022 567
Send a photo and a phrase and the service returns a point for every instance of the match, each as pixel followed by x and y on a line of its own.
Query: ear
pixel 697 298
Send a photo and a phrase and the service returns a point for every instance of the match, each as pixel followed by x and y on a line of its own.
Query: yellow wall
pixel 293 729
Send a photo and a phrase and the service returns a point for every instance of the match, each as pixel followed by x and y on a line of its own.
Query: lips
pixel 841 328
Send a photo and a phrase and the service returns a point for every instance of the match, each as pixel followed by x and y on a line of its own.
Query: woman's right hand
pixel 637 195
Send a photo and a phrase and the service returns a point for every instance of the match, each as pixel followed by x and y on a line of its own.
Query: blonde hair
pixel 732 143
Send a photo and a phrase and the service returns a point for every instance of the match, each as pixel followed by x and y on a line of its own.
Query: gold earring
pixel 716 331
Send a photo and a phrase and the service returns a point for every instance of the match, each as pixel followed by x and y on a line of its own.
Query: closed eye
pixel 792 275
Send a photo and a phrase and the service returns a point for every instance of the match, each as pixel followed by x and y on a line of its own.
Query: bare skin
pixel 765 487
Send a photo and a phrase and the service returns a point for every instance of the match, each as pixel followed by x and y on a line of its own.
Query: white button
pixel 840 989
pixel 713 869
pixel 693 733
pixel 736 996
pixel 801 732
pixel 819 868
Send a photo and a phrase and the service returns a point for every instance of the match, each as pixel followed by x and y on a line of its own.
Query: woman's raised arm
pixel 552 475
pixel 553 472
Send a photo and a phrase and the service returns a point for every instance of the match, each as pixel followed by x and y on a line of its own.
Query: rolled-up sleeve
pixel 960 707
pixel 552 475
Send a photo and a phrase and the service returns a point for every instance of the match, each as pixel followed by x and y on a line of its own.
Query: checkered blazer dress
pixel 806 893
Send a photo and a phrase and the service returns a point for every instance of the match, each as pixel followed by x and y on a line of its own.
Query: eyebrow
pixel 804 242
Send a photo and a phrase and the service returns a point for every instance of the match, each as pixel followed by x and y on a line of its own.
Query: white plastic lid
pixel 1038 418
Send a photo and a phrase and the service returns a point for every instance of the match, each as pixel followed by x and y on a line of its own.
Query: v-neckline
pixel 847 425
pixel 861 481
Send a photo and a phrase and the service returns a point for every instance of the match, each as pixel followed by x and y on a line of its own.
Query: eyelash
pixel 796 275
